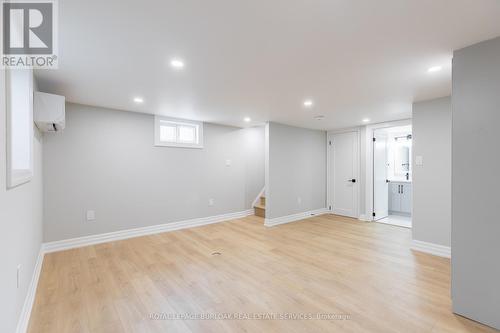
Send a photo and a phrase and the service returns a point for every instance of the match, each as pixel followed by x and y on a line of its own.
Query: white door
pixel 344 168
pixel 380 184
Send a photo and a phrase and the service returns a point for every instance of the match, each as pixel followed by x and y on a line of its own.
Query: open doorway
pixel 392 175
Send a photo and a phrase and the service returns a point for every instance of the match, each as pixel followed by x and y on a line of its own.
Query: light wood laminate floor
pixel 326 265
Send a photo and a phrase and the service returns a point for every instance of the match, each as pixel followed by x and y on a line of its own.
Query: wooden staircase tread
pixel 259 206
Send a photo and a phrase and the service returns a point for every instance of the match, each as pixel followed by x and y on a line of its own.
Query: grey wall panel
pixel 297 170
pixel 475 183
pixel 105 161
pixel 431 219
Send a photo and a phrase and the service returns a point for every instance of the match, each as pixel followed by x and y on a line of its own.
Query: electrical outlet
pixel 211 202
pixel 90 215
pixel 228 163
pixel 18 276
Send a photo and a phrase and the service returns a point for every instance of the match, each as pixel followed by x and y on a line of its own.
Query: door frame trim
pixel 329 178
pixel 377 218
pixel 369 161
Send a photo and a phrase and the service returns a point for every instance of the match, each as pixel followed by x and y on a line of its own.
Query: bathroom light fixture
pixel 247 119
pixel 138 100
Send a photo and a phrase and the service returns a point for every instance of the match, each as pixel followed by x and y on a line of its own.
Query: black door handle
pixel 352 180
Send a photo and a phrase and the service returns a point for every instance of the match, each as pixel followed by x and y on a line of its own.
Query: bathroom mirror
pixel 402 160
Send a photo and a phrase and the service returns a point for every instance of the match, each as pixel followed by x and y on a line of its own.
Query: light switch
pixel 228 163
pixel 90 215
pixel 419 160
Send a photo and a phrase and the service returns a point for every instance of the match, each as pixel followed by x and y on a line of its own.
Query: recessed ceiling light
pixel 434 69
pixel 319 117
pixel 308 103
pixel 177 63
pixel 366 120
pixel 247 119
pixel 138 100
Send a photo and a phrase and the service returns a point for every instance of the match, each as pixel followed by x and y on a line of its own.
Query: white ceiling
pixel 355 58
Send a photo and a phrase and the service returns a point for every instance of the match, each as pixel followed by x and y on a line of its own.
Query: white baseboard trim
pixel 435 249
pixel 72 243
pixel 294 217
pixel 24 317
pixel 364 218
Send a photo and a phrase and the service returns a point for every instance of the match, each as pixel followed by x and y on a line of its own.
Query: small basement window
pixel 171 132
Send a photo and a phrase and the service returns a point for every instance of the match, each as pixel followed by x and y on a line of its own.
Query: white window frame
pixel 178 122
pixel 16 177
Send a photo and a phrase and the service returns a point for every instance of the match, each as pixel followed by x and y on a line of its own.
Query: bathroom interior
pixel 393 175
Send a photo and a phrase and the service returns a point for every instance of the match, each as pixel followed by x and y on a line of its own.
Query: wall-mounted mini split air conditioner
pixel 49 112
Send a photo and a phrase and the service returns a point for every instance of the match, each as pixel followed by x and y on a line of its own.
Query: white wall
pixel 476 182
pixel 297 169
pixel 431 218
pixel 105 161
pixel 21 228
